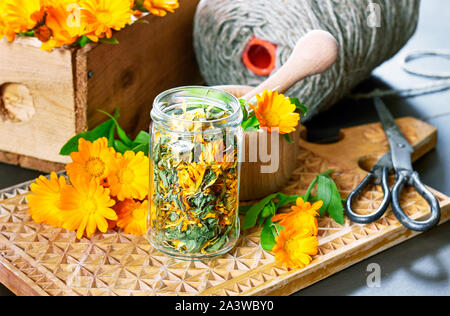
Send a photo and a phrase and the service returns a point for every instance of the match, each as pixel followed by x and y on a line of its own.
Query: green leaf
pixel 268 235
pixel 111 40
pixel 142 138
pixel 112 131
pixel 308 191
pixel 253 213
pixel 329 194
pixel 268 210
pixel 27 34
pixel 251 124
pixel 83 41
pixel 286 199
pixel 122 135
pixel 335 209
pixel 243 209
pixel 142 147
pixel 120 147
pixel 299 106
pixel 278 228
pixel 311 186
pixel 288 138
pixel 324 192
pixel 261 221
pixel 103 130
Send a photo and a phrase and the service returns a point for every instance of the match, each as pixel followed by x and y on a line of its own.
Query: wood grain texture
pixel 30 162
pixel 40 260
pixel 256 184
pixel 53 123
pixel 313 54
pixel 69 85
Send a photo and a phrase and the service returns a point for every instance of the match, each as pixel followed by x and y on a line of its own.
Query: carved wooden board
pixel 41 260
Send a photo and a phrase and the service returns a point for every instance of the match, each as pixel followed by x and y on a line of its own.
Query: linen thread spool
pixel 224 28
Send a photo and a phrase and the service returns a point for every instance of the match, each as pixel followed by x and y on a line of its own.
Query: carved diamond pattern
pixel 55 263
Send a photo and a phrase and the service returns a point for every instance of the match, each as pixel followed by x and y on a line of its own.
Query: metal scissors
pixel 399 160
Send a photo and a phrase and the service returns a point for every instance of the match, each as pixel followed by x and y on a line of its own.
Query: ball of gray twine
pixel 368 32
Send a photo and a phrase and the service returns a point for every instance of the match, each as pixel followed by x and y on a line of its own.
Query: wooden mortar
pixel 314 53
pixel 254 184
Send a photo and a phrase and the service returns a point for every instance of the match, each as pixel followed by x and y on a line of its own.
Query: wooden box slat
pixel 68 86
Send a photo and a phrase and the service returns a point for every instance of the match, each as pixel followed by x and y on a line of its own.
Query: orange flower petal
pixel 275 112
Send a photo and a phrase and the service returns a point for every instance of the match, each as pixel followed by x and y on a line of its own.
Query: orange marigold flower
pixel 133 216
pixel 45 200
pixel 275 111
pixel 86 206
pixel 63 19
pixel 20 16
pixel 131 180
pixel 93 160
pixel 302 206
pixel 43 33
pixel 104 16
pixel 294 249
pixel 302 217
pixel 3 25
pixel 160 7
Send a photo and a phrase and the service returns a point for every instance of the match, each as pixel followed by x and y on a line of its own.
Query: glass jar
pixel 196 140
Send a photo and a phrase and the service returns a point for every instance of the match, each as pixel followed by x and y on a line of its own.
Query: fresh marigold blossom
pixel 93 160
pixel 160 7
pixel 302 206
pixel 275 112
pixel 294 249
pixel 302 217
pixel 133 216
pixel 3 29
pixel 87 206
pixel 45 200
pixel 20 16
pixel 63 19
pixel 104 16
pixel 131 179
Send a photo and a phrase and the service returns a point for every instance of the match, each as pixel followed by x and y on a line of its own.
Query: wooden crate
pixel 58 93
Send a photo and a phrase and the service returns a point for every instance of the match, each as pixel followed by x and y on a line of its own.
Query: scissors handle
pixel 412 178
pixel 366 219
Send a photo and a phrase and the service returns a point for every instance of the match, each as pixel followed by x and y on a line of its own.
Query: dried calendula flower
pixel 194 185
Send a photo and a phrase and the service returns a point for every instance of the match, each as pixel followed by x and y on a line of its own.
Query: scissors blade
pixel 385 161
pixel 401 149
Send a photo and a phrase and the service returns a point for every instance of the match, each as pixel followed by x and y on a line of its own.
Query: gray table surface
pixel 420 266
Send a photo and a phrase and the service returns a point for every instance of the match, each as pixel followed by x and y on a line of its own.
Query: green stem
pixel 311 186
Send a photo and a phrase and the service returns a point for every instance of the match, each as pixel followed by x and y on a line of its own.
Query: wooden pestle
pixel 313 54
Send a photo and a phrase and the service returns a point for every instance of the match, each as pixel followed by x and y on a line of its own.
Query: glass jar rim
pixel 235 118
